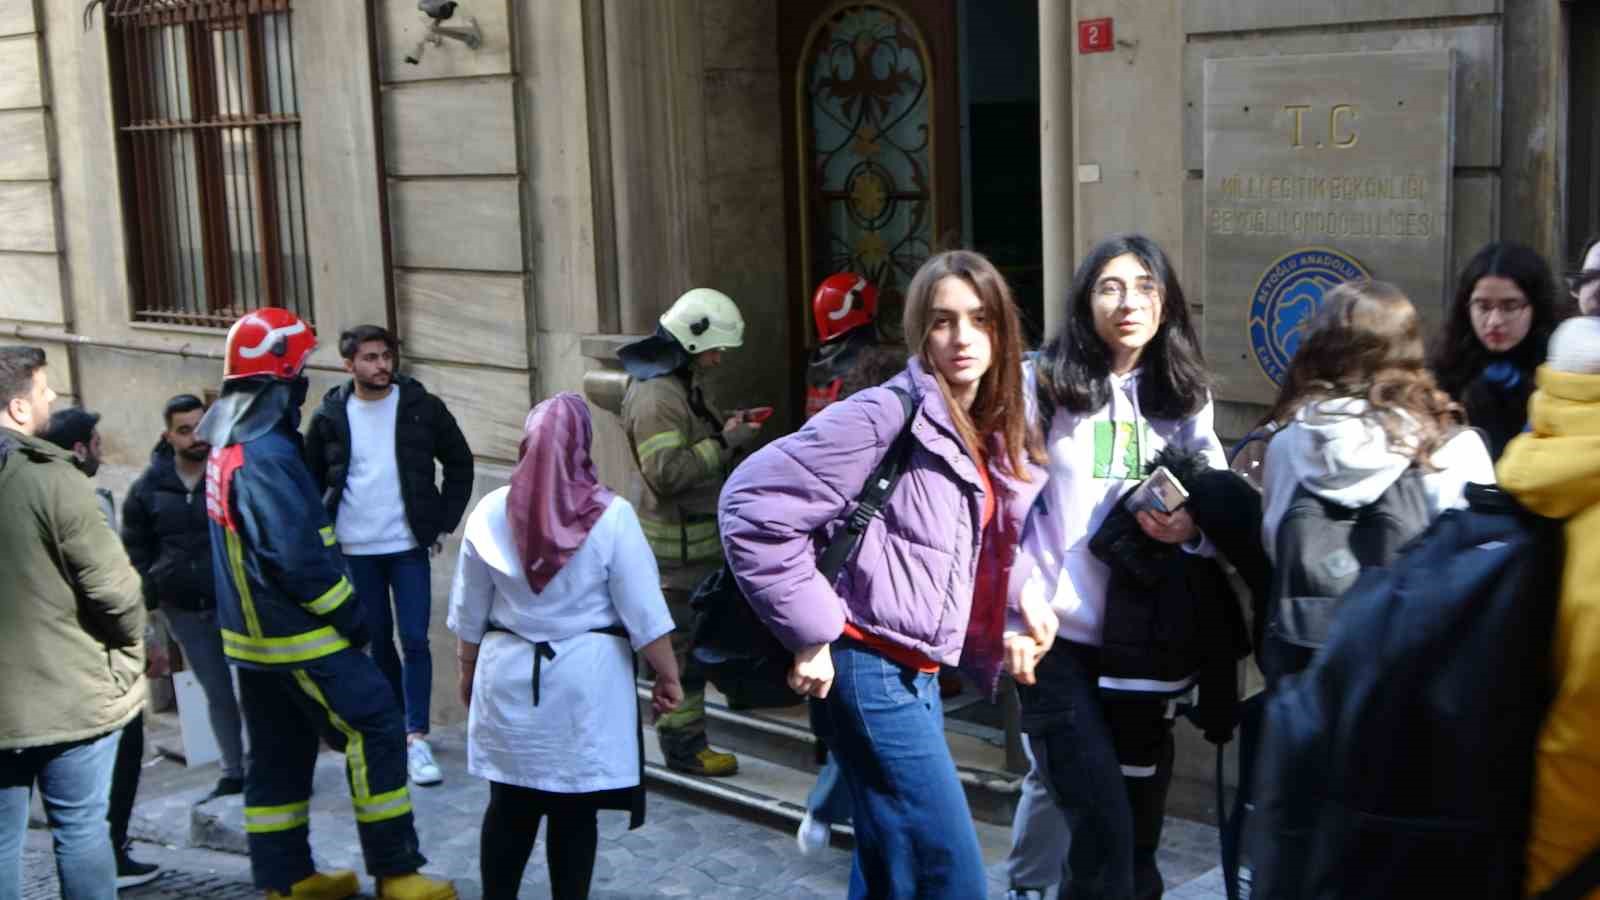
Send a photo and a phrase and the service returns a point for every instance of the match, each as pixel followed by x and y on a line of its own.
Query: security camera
pixel 437 9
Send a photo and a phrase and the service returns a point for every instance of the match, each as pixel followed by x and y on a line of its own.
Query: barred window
pixel 208 128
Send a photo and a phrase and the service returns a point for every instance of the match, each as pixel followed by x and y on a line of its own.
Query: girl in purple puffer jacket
pixel 927 584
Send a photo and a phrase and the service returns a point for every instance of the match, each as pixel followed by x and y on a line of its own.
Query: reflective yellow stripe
pixel 657 443
pixel 332 598
pixel 328 540
pixel 710 453
pixel 691 710
pixel 265 819
pixel 296 648
pixel 707 549
pixel 694 532
pixel 689 543
pixel 384 806
pixel 241 583
pixel 672 549
pixel 355 747
pixel 664 548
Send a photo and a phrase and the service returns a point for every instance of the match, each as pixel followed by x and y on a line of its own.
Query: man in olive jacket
pixel 71 643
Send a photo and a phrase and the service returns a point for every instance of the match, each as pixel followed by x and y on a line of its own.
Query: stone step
pixel 782 736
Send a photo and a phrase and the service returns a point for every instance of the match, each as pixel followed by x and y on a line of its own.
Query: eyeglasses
pixel 1112 289
pixel 1508 307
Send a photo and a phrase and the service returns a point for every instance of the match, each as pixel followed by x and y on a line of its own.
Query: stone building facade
pixel 510 209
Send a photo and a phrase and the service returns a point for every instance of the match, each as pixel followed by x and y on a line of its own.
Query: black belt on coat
pixel 542 650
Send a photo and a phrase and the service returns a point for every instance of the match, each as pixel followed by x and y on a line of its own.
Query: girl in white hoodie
pixel 1122 380
pixel 1359 407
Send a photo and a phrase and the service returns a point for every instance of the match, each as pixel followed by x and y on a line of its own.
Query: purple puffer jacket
pixel 911 580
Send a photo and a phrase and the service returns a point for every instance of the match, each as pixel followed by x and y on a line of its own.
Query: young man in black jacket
pixel 371 447
pixel 168 536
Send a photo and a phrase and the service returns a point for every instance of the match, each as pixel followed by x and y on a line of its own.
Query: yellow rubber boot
pixel 715 763
pixel 336 885
pixel 415 886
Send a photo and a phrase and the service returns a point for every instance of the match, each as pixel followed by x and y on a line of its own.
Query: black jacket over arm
pixel 424 432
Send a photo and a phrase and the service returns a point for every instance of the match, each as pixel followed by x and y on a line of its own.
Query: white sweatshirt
pixel 1346 459
pixel 1094 460
pixel 372 513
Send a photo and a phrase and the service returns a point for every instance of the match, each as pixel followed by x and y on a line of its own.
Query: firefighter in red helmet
pixel 844 309
pixel 292 628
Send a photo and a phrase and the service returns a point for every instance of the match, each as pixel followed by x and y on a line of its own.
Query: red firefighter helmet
pixel 268 341
pixel 842 302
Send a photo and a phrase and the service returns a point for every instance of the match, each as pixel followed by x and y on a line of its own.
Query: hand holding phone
pixel 1161 492
pixel 758 414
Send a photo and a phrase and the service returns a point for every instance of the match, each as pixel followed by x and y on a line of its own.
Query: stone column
pixel 1056 168
pixel 1534 129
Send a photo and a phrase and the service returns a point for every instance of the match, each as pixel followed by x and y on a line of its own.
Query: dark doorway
pixel 1583 130
pixel 1002 216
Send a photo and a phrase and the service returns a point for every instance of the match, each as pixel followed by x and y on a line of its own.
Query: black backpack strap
pixel 1577 883
pixel 874 494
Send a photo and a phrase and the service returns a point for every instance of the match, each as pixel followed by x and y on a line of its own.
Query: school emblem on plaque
pixel 1287 296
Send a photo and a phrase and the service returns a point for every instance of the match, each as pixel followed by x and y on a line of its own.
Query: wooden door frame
pixel 798 23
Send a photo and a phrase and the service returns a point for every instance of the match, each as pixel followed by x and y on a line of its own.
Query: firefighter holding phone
pixel 685 448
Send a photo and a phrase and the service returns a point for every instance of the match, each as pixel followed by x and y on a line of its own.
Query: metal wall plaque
pixel 1319 169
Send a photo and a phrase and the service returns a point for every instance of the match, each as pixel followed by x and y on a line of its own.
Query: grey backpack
pixel 1322 548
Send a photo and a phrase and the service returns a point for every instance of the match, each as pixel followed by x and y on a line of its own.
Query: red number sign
pixel 1094 36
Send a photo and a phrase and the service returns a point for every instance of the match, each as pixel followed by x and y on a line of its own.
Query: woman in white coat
pixel 555 588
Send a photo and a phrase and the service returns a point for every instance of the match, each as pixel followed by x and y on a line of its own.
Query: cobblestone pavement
pixel 684 849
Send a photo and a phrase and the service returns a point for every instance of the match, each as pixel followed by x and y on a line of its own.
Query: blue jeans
pixel 201 639
pixel 407 575
pixel 829 800
pixel 75 782
pixel 885 725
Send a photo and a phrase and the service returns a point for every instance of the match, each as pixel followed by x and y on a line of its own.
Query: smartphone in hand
pixel 757 415
pixel 1161 492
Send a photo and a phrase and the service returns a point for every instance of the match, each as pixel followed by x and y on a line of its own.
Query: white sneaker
pixel 420 764
pixel 812 836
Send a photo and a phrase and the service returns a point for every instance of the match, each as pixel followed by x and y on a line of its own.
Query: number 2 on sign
pixel 1095 36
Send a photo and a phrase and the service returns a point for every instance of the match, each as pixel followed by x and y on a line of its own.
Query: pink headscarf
pixel 555 496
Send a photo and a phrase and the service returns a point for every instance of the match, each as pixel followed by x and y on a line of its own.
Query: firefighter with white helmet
pixel 685 448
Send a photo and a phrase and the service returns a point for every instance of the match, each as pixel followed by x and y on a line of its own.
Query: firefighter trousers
pixel 344 699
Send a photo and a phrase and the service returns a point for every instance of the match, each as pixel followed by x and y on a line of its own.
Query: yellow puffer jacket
pixel 1555 471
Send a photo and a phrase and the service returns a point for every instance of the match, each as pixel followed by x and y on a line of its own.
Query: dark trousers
pixel 682 732
pixel 125 780
pixel 1107 765
pixel 407 577
pixel 510 827
pixel 344 699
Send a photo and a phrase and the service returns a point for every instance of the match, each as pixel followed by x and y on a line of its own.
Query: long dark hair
pixel 998 408
pixel 1074 366
pixel 1457 355
pixel 1365 343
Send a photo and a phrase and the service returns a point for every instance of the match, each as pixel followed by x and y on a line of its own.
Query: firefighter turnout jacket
pixel 286 600
pixel 676 438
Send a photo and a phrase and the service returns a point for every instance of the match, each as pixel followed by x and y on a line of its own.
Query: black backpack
pixel 1401 763
pixel 737 651
pixel 1322 548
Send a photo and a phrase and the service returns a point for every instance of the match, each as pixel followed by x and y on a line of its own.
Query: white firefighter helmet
pixel 703 319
